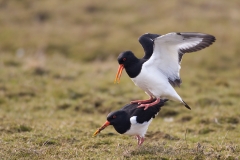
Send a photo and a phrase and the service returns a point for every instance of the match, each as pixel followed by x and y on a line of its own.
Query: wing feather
pixel 169 49
pixel 147 42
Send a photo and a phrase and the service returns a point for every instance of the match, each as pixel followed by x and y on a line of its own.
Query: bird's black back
pixel 143 115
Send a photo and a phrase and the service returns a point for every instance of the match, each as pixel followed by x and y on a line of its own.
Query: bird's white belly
pixel 139 129
pixel 154 83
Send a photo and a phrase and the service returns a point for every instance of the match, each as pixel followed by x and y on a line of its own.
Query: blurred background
pixel 58 61
pixel 89 30
pixel 44 36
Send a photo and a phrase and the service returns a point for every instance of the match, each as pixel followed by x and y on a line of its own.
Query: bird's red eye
pixel 124 59
pixel 114 116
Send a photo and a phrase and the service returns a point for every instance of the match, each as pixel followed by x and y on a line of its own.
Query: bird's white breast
pixel 155 83
pixel 152 81
pixel 138 128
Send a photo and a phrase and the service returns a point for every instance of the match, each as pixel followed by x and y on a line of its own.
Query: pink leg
pixel 149 104
pixel 143 101
pixel 140 140
pixel 138 137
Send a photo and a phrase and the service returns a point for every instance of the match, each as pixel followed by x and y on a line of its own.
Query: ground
pixel 58 64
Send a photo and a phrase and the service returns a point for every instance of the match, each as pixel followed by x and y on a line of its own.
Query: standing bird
pixel 158 71
pixel 131 120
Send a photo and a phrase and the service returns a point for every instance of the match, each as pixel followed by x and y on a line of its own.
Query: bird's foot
pixel 137 137
pixel 143 101
pixel 140 140
pixel 149 104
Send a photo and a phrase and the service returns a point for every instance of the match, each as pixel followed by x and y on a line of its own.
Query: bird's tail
pixel 186 105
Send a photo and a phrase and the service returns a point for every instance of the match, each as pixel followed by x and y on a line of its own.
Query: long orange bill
pixel 101 128
pixel 119 73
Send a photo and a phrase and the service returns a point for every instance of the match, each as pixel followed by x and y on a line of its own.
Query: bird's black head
pixel 127 58
pixel 120 121
pixel 117 117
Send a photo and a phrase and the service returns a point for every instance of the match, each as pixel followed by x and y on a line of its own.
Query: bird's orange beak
pixel 119 73
pixel 101 128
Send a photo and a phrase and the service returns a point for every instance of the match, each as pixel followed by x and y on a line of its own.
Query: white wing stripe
pixel 190 43
pixel 169 48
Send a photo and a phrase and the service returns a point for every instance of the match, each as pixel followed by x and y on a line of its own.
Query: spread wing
pixel 147 42
pixel 169 49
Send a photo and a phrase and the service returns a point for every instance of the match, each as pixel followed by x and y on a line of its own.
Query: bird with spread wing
pixel 157 73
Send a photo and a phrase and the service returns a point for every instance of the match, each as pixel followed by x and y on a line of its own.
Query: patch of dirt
pixel 229 120
pixel 39 71
pixel 207 102
pixel 205 130
pixel 160 135
pixel 63 106
pixel 168 113
pixel 204 121
pixel 186 119
pixel 21 94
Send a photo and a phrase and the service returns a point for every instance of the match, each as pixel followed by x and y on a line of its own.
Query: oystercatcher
pixel 157 73
pixel 131 120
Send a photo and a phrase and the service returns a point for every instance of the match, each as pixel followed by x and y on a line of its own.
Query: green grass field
pixel 58 64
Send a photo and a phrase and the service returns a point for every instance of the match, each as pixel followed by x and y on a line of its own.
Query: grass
pixel 52 114
pixel 58 63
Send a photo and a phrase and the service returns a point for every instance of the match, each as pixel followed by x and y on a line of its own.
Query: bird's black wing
pixel 147 42
pixel 143 115
pixel 130 108
pixel 206 40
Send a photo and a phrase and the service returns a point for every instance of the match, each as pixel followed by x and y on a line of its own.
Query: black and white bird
pixel 131 120
pixel 157 73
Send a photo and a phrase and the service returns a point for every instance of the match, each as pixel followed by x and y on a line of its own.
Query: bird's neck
pixel 134 68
